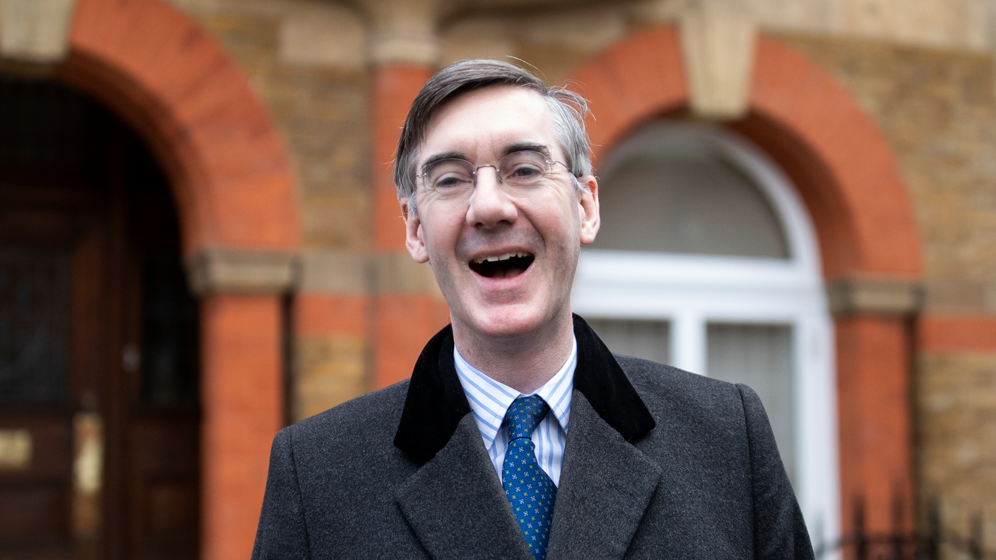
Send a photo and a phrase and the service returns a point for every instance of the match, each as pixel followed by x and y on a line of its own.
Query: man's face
pixel 536 237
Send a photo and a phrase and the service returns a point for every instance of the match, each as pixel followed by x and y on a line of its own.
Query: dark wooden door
pixel 50 249
pixel 99 416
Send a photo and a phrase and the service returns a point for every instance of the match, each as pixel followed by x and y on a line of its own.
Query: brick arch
pixel 831 149
pixel 175 85
pixel 847 176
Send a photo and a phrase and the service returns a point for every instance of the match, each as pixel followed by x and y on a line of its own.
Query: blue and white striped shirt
pixel 489 401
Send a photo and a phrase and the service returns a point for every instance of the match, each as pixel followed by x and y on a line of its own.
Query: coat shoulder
pixel 332 482
pixel 702 423
pixel 660 385
pixel 714 438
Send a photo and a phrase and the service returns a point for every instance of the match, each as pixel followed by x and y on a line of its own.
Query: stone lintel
pixel 403 32
pixel 322 35
pixel 398 47
pixel 345 273
pixel 218 270
pixel 718 38
pixel 35 31
pixel 875 296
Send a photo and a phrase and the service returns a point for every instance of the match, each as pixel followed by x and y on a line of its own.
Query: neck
pixel 525 362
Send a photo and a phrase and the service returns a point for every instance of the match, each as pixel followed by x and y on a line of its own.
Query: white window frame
pixel 691 291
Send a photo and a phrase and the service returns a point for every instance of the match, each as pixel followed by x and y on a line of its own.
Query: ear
pixel 413 234
pixel 588 208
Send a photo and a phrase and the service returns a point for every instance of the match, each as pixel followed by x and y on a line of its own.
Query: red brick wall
pixel 862 211
pixel 242 396
pixel 873 392
pixel 395 87
pixel 956 333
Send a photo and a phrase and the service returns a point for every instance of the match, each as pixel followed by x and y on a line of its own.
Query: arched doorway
pixel 151 66
pixel 99 364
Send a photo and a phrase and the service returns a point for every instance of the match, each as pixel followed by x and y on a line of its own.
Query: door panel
pixel 34 330
pixel 34 500
pixel 42 258
pixel 165 486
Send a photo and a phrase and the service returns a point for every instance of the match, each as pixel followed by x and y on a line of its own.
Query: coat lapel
pixel 605 487
pixel 456 506
pixel 455 503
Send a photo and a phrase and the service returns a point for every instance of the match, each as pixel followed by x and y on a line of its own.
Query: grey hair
pixel 567 109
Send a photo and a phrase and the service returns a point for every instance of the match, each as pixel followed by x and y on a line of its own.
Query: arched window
pixel 707 260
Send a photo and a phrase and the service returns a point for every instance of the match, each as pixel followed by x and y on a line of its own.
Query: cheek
pixel 562 238
pixel 440 239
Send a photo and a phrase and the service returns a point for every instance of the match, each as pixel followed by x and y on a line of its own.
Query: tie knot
pixel 524 415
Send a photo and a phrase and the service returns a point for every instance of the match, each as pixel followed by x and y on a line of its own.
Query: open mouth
pixel 502 266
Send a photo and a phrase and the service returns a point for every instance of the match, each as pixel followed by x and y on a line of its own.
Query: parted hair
pixel 567 109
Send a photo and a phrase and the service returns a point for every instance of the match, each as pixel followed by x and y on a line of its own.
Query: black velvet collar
pixel 436 401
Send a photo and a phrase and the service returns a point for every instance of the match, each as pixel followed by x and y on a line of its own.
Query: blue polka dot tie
pixel 529 489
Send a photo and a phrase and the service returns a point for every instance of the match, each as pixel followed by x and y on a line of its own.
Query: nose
pixel 489 204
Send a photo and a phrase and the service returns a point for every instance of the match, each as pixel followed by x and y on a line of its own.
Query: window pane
pixel 759 356
pixel 34 324
pixel 667 189
pixel 641 339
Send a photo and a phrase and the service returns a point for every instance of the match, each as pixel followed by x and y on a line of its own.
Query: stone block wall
pixel 955 402
pixel 305 62
pixel 937 110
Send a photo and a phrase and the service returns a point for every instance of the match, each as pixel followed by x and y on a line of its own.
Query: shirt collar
pixel 436 403
pixel 489 399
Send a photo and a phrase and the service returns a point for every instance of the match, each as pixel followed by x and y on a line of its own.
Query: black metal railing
pixel 934 541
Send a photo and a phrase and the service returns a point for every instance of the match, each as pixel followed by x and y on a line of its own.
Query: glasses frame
pixel 550 166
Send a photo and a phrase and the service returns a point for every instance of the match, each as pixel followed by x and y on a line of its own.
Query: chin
pixel 512 321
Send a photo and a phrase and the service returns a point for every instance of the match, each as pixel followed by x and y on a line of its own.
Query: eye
pixel 449 174
pixel 452 180
pixel 524 172
pixel 523 168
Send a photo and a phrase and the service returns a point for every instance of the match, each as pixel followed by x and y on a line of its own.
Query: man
pixel 519 435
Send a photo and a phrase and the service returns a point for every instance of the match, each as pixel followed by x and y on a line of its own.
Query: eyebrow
pixel 526 147
pixel 510 149
pixel 439 157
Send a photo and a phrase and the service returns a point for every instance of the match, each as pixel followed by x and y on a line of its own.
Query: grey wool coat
pixel 659 463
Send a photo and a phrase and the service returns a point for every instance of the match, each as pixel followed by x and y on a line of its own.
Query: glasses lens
pixel 449 175
pixel 523 169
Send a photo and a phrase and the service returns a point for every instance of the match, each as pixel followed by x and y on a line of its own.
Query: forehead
pixel 483 122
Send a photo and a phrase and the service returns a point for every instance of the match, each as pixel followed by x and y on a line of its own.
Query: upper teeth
pixel 504 257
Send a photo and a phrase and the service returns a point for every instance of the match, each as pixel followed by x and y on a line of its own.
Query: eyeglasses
pixel 519 174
